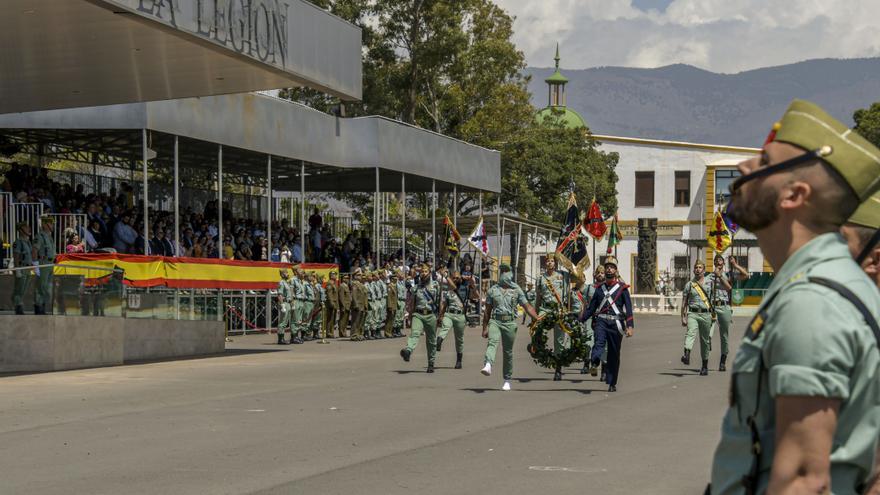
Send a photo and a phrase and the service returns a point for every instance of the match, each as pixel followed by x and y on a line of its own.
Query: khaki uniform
pixel 391 304
pixel 699 317
pixel 331 308
pixel 453 319
pixel 359 304
pixel 400 315
pixel 502 325
pixel 344 295
pixel 426 300
pixel 45 246
pixel 24 252
pixel 723 312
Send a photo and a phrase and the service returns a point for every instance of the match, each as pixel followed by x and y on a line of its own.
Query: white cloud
pixel 718 35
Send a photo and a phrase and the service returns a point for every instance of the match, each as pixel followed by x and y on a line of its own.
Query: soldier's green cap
pixel 868 213
pixel 47 219
pixel 504 267
pixel 807 126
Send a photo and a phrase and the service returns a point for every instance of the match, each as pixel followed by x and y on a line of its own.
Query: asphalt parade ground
pixel 353 418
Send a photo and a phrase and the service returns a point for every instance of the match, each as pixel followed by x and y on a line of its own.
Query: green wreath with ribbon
pixel 543 354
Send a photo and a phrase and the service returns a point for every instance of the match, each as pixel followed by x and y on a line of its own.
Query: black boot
pixel 19 310
pixel 405 353
pixel 439 343
pixel 297 339
pixel 430 367
pixel 686 358
pixel 704 370
pixel 281 338
pixel 315 335
pixel 722 366
pixel 557 375
pixel 458 361
pixel 603 375
pixel 38 310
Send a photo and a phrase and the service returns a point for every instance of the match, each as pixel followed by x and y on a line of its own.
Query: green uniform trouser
pixel 298 316
pixel 315 325
pixel 370 317
pixel 380 315
pixel 558 333
pixel 505 332
pixel 307 307
pixel 20 287
pixel 725 317
pixel 284 318
pixel 343 322
pixel 400 314
pixel 43 294
pixel 428 324
pixel 456 322
pixel 702 323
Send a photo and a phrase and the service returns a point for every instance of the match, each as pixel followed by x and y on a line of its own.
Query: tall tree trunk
pixel 412 91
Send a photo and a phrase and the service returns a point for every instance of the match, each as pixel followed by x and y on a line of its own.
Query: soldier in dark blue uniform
pixel 611 308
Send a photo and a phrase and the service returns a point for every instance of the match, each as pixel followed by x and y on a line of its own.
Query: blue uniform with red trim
pixel 611 310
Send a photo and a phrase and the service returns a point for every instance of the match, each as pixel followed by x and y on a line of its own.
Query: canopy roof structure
pixel 78 53
pixel 465 224
pixel 337 154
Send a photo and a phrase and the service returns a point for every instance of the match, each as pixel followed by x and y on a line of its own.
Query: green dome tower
pixel 556 108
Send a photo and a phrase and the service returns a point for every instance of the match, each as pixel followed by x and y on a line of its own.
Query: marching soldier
pixel 45 247
pixel 284 296
pixel 549 295
pixel 697 316
pixel 612 307
pixel 452 317
pixel 331 306
pixel 359 305
pixel 391 303
pixel 400 314
pixel 803 410
pixel 589 325
pixel 426 298
pixel 23 254
pixel 719 293
pixel 499 322
pixel 344 294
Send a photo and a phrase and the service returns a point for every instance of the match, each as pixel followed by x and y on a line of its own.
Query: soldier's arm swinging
pixel 486 315
pixel 592 306
pixel 628 312
pixel 685 299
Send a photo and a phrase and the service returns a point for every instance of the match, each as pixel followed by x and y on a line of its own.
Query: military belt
pixel 504 318
pixel 454 312
pixel 605 316
pixel 698 310
pixel 424 312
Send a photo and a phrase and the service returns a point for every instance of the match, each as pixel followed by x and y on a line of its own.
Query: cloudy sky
pixel 718 35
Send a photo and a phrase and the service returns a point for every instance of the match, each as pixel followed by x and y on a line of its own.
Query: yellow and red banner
pixel 718 234
pixel 183 273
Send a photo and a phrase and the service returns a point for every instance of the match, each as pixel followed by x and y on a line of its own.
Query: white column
pixel 220 199
pixel 302 208
pixel 377 242
pixel 146 194
pixel 271 209
pixel 176 206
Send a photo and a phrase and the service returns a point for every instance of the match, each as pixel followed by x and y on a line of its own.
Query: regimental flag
pixel 731 225
pixel 571 243
pixel 593 222
pixel 719 236
pixel 478 238
pixel 452 236
pixel 614 235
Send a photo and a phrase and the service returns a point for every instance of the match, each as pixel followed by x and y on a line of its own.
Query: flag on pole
pixel 718 235
pixel 478 238
pixel 593 222
pixel 570 241
pixel 614 235
pixel 452 236
pixel 731 225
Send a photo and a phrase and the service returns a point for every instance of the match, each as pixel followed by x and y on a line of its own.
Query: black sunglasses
pixel 782 166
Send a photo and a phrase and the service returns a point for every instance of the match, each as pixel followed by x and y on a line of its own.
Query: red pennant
pixel 594 223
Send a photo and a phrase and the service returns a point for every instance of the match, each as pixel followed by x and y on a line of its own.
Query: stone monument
pixel 646 262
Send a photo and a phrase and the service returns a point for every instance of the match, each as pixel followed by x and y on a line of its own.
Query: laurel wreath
pixel 543 354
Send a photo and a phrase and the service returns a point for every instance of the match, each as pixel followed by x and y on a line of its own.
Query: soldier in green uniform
pixel 308 304
pixel 452 317
pixel 719 287
pixel 425 302
pixel 549 294
pixel 284 296
pixel 298 295
pixel 45 247
pixel 530 296
pixel 499 322
pixel 803 415
pixel 344 295
pixel 862 234
pixel 23 254
pixel 696 317
pixel 400 314
pixel 588 291
pixel 331 306
pixel 370 319
pixel 359 305
pixel 391 303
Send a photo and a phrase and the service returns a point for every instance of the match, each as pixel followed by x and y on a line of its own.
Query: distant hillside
pixel 681 102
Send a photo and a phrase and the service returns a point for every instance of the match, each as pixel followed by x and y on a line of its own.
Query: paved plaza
pixel 353 418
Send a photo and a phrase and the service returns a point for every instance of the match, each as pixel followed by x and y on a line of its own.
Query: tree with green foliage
pixel 868 123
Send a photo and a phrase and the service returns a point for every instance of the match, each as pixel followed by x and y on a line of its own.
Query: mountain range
pixel 684 103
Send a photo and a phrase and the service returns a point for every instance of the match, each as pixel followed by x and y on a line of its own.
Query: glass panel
pixel 723 179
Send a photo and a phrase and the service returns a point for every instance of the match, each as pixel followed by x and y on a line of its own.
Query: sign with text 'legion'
pixel 255 28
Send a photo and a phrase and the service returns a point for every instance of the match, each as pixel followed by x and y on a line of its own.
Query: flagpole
pixel 455 222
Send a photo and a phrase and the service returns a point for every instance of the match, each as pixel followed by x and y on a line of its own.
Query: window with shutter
pixel 644 189
pixel 682 188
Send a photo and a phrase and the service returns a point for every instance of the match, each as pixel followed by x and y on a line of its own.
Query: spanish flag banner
pixel 718 234
pixel 183 273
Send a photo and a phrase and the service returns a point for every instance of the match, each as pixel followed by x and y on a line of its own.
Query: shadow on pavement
pixel 483 390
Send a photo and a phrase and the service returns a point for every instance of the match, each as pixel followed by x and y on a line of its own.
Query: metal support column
pixel 146 193
pixel 500 230
pixel 455 218
pixel 271 208
pixel 176 207
pixel 434 222
pixel 377 242
pixel 220 199
pixel 302 209
pixel 403 217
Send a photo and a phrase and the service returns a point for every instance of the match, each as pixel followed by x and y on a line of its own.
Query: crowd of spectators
pixel 115 221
